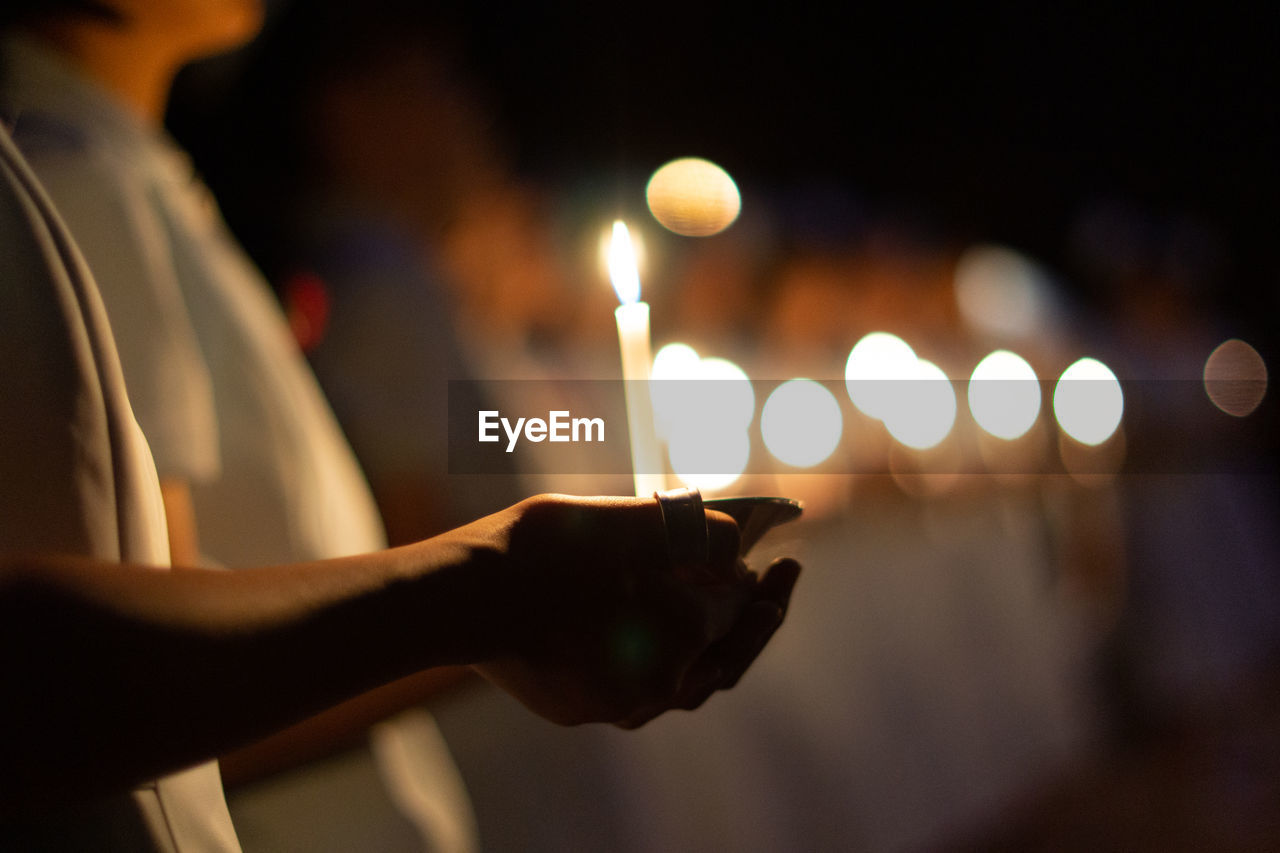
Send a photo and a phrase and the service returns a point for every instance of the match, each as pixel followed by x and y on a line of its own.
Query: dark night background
pixel 999 124
pixel 996 123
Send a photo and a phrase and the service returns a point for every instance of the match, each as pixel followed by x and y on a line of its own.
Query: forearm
pixel 119 673
pixel 342 726
pixel 332 729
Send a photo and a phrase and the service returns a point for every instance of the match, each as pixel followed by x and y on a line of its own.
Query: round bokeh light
pixel 1235 378
pixel 1001 292
pixel 708 458
pixel 693 197
pixel 877 364
pixel 922 408
pixel 1088 401
pixel 729 395
pixel 801 423
pixel 672 366
pixel 1004 395
pixel 675 361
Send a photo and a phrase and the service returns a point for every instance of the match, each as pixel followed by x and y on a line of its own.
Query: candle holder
pixel 756 516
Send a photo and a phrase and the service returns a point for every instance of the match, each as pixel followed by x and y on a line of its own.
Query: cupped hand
pixel 599 626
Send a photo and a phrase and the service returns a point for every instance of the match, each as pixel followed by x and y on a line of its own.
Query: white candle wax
pixel 646 457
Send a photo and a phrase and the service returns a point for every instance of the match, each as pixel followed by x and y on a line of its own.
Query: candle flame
pixel 623 271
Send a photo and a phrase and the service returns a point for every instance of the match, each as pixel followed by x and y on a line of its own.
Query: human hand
pixel 600 627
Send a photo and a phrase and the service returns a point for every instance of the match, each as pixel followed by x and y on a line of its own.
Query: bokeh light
pixel 693 197
pixel 876 365
pixel 801 423
pixel 704 421
pixel 1004 395
pixel 1088 401
pixel 922 407
pixel 728 391
pixel 1001 292
pixel 720 399
pixel 675 361
pixel 709 459
pixel 1235 378
pixel 672 366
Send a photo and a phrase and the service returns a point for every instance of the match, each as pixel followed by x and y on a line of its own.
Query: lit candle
pixel 633 337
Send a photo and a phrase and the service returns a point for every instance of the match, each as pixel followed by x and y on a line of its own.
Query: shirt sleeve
pixel 128 250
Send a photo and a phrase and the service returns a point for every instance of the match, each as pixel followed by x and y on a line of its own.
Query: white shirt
pixel 76 478
pixel 219 387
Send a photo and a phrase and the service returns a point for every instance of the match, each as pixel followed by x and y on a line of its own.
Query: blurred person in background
pixel 1201 546
pixel 362 165
pixel 442 270
pixel 1190 758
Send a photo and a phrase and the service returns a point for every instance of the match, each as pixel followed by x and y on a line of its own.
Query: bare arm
pixel 116 674
pixel 333 728
pixel 340 727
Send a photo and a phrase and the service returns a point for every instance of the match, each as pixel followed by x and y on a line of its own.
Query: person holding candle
pixel 253 468
pixel 119 670
pixel 264 477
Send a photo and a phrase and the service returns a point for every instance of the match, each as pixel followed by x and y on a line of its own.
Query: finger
pixel 723 605
pixel 738 629
pixel 724 661
pixel 778 582
pixel 765 619
pixel 773 597
pixel 641 717
pixel 702 682
pixel 724 540
pixel 696 681
pixel 721 666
